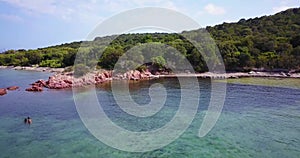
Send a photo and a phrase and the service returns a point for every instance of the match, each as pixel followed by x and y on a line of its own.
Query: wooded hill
pixel 268 42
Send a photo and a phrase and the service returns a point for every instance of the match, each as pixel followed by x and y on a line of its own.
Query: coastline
pixel 233 75
pixel 63 80
pixel 38 69
pixel 171 75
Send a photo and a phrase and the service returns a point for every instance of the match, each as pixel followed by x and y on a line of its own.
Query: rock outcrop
pixel 12 88
pixel 35 88
pixel 2 91
pixel 67 80
pixel 134 75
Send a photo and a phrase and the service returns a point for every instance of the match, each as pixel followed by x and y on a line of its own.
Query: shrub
pixel 80 70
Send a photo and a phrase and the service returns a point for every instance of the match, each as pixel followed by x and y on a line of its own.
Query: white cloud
pixel 66 10
pixel 214 10
pixel 77 10
pixel 121 5
pixel 32 6
pixel 13 18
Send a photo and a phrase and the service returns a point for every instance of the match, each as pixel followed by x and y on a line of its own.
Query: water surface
pixel 257 121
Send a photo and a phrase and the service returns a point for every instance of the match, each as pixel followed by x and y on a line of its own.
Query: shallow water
pixel 272 82
pixel 257 121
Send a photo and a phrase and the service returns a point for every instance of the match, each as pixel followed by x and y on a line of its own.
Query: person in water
pixel 28 120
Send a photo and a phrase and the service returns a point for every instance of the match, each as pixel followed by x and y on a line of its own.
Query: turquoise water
pixel 257 121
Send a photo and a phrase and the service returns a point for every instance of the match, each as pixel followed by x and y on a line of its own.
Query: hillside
pixel 268 42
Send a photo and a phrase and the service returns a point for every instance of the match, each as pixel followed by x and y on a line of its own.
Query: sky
pixel 31 24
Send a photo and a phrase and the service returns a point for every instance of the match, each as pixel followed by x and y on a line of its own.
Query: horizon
pixel 36 24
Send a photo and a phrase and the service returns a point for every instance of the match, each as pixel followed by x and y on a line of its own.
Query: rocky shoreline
pixel 64 80
pixel 67 80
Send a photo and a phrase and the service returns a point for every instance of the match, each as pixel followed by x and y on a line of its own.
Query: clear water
pixel 257 121
pixel 272 82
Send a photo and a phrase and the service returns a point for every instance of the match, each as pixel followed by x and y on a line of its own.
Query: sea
pixel 258 119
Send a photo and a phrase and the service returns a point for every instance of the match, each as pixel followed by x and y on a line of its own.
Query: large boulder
pixel 107 74
pixel 147 73
pixel 12 88
pixel 35 88
pixel 135 75
pixel 68 81
pixel 41 83
pixel 2 91
pixel 59 85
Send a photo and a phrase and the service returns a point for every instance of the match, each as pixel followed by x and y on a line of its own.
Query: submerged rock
pixel 35 88
pixel 2 91
pixel 12 88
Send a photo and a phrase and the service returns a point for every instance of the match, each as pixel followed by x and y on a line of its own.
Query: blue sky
pixel 30 24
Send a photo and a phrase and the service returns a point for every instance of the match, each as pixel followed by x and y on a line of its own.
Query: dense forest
pixel 269 42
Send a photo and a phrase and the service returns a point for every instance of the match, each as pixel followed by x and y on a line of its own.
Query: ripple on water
pixel 257 121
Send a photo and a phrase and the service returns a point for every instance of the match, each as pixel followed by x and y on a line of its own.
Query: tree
pixel 110 57
pixel 159 62
pixel 34 57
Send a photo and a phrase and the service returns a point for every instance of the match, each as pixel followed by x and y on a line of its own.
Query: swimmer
pixel 25 120
pixel 29 121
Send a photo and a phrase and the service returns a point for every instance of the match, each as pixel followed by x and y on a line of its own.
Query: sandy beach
pixel 39 69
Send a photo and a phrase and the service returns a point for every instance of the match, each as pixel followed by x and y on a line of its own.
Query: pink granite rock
pixel 2 91
pixel 12 88
pixel 35 89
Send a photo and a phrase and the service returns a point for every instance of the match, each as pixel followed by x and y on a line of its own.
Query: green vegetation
pixel 80 70
pixel 269 42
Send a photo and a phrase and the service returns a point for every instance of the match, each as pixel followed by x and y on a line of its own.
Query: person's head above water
pixel 29 121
